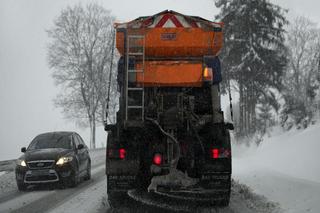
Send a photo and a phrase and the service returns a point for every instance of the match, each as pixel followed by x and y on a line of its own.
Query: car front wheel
pixel 22 186
pixel 88 175
pixel 74 180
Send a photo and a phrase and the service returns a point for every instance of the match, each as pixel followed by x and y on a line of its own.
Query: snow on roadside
pixel 293 194
pixel 244 200
pixel 7 182
pixel 2 173
pixel 255 202
pixel 294 153
pixel 285 169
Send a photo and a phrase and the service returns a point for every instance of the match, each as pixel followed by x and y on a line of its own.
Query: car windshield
pixel 51 141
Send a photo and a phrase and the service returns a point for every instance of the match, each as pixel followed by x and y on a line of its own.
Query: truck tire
pixel 225 202
pixel 144 176
pixel 117 199
pixel 144 180
pixel 221 198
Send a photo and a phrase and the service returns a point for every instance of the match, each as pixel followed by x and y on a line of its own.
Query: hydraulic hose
pixel 174 161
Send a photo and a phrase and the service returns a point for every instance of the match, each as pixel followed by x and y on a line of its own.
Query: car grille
pixel 41 164
pixel 41 176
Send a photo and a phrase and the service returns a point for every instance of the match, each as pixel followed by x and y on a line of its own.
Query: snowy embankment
pixel 285 168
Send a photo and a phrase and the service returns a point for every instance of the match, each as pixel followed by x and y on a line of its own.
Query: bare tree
pixel 301 80
pixel 80 55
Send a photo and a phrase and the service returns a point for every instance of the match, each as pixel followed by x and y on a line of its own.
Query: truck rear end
pixel 170 136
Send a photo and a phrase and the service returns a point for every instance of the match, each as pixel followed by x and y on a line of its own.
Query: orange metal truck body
pixel 170 73
pixel 176 42
pixel 171 40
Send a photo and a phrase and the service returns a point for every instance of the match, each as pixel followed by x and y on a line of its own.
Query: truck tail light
pixel 122 153
pixel 157 159
pixel 220 153
pixel 215 153
pixel 117 153
pixel 207 74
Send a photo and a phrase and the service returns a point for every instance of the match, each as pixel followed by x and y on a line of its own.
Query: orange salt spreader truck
pixel 169 137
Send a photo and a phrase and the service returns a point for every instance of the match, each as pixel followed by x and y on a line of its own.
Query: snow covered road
pixel 91 197
pixel 255 173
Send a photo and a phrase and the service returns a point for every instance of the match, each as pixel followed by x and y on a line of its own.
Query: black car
pixel 55 157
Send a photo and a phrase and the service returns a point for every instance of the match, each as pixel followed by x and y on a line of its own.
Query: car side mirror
pixel 110 127
pixel 23 149
pixel 229 126
pixel 80 146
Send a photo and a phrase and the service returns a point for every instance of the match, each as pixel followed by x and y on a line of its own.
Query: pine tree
pixel 254 55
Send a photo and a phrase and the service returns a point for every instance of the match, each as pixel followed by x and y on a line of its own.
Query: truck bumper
pixel 120 167
pixel 118 183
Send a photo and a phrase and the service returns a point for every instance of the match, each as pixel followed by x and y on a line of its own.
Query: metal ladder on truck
pixel 135 54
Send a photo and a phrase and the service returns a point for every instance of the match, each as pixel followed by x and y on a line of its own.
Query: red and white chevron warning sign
pixel 169 19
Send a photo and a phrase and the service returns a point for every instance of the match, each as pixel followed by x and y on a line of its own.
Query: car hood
pixel 45 154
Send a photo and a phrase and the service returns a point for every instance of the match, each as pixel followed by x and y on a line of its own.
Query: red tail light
pixel 115 153
pixel 220 153
pixel 157 159
pixel 215 153
pixel 122 153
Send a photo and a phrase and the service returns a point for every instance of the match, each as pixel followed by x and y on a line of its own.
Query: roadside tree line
pixel 273 64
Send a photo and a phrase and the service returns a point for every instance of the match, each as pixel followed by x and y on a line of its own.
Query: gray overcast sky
pixel 26 86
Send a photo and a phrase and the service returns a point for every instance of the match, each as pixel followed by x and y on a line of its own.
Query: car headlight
pixel 64 160
pixel 21 163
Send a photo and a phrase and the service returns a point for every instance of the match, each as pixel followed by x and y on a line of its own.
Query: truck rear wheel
pixel 221 186
pixel 225 202
pixel 144 180
pixel 226 197
pixel 117 199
